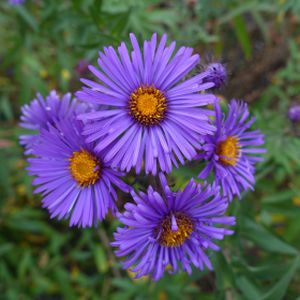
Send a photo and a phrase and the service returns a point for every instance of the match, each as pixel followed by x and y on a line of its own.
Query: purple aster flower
pixel 294 113
pixel 232 152
pixel 74 181
pixel 217 74
pixel 43 111
pixel 164 231
pixel 153 116
pixel 16 2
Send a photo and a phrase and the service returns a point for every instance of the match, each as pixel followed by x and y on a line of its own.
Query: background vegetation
pixel 46 45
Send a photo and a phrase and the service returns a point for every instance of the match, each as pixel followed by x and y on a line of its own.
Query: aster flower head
pixel 233 151
pixel 294 113
pixel 217 74
pixel 74 181
pixel 44 111
pixel 171 230
pixel 154 118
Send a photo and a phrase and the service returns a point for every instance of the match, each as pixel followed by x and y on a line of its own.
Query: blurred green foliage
pixel 42 42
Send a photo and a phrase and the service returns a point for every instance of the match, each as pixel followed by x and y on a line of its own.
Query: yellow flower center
pixel 175 236
pixel 147 105
pixel 229 151
pixel 84 167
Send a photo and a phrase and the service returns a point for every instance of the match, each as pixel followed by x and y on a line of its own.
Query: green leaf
pixel 124 284
pixel 242 34
pixel 246 7
pixel 6 109
pixel 262 24
pixel 25 264
pixel 27 17
pixel 100 259
pixel 277 197
pixel 64 281
pixel 277 292
pixel 5 248
pixel 249 290
pixel 269 271
pixel 266 239
pixel 225 275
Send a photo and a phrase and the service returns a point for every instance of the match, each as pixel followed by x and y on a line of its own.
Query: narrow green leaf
pixel 100 259
pixel 266 239
pixel 5 248
pixel 64 281
pixel 246 7
pixel 262 24
pixel 224 276
pixel 249 290
pixel 6 109
pixel 282 196
pixel 242 34
pixel 27 17
pixel 25 264
pixel 277 292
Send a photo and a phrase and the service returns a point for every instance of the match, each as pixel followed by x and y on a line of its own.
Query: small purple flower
pixel 294 113
pixel 74 181
pixel 164 231
pixel 44 111
pixel 154 118
pixel 82 67
pixel 232 152
pixel 217 74
pixel 16 2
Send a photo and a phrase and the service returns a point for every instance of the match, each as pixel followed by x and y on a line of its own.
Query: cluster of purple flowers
pixel 16 2
pixel 145 113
